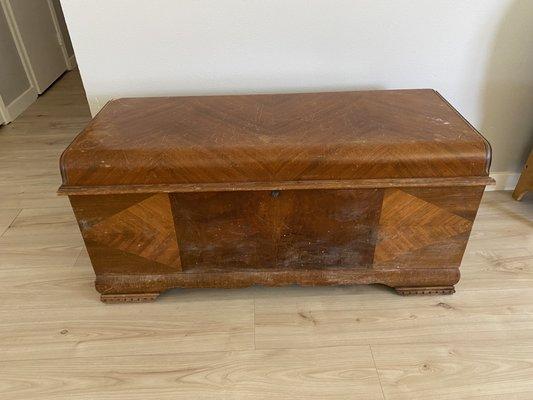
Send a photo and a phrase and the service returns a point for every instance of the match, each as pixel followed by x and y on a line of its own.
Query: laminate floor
pixel 57 341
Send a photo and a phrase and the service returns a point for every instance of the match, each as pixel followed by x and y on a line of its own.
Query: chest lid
pixel 338 139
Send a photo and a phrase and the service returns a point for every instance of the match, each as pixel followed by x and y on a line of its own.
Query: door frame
pixel 70 61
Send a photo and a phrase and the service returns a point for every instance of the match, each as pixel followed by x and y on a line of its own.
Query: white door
pixel 16 89
pixel 39 39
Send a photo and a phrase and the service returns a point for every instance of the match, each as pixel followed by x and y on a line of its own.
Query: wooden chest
pixel 309 189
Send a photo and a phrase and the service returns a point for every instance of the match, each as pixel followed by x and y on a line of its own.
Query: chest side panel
pixel 425 227
pixel 128 234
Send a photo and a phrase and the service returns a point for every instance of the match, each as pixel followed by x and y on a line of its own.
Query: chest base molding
pixel 116 288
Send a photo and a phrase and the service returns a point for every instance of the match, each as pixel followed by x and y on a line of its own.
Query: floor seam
pixel 155 355
pixel 11 223
pixel 73 266
pixel 377 372
pixel 253 323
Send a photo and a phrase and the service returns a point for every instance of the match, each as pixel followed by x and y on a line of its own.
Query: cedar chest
pixel 310 189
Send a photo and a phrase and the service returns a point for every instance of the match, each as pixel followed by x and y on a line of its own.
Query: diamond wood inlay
pixel 145 229
pixel 274 138
pixel 408 223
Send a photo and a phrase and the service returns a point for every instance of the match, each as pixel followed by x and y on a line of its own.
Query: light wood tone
pixel 46 237
pixel 31 145
pixel 57 341
pixel 220 325
pixel 456 370
pixel 357 317
pixel 310 374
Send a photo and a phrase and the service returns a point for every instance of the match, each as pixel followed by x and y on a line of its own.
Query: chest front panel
pixel 276 229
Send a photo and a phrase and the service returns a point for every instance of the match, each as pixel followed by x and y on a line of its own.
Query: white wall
pixel 478 53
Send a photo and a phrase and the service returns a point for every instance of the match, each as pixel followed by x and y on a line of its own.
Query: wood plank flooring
pixel 57 341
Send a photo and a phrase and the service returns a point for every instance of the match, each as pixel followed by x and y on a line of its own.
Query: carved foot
pixel 129 298
pixel 432 290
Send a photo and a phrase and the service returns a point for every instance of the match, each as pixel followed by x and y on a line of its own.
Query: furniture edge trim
pixel 486 143
pixel 128 298
pixel 287 185
pixel 425 290
pixel 134 284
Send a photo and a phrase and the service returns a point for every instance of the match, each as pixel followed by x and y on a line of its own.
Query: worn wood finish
pixel 312 189
pixel 275 138
pixel 277 230
pixel 414 237
pixel 288 185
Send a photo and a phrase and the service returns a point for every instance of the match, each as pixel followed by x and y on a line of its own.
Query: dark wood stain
pixel 287 229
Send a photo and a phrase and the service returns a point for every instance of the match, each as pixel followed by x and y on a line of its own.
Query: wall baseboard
pixel 21 103
pixel 3 111
pixel 504 181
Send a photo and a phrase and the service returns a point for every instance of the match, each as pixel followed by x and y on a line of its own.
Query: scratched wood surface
pixel 403 237
pixel 275 138
pixel 291 229
pixel 147 241
pixel 57 341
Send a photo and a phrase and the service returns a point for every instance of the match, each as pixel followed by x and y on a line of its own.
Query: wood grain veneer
pixel 312 189
pixel 275 138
